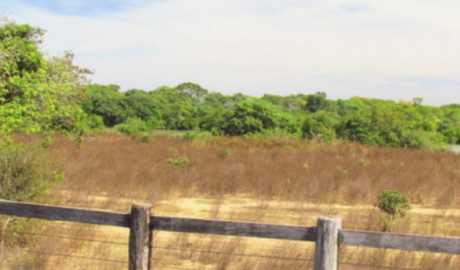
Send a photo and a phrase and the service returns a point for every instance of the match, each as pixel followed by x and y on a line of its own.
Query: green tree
pixel 36 93
pixel 316 102
pixel 320 125
pixel 394 205
pixel 194 91
pixel 255 116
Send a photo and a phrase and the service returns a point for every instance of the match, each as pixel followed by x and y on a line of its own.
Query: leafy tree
pixel 316 102
pixel 105 101
pixel 394 205
pixel 194 91
pixel 321 125
pixel 254 116
pixel 36 93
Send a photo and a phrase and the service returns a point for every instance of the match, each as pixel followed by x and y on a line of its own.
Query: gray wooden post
pixel 140 237
pixel 326 251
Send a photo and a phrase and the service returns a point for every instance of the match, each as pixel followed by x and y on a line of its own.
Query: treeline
pixel 42 94
pixel 188 106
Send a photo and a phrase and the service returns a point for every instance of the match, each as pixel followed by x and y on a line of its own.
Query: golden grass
pixel 266 180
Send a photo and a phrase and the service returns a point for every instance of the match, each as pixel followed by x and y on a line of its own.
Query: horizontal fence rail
pixel 233 228
pixel 30 210
pixel 326 239
pixel 400 241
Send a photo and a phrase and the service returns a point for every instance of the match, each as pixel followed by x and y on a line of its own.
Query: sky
pixel 391 49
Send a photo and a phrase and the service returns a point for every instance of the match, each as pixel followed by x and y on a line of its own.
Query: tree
pixel 255 116
pixel 316 102
pixel 320 125
pixel 36 93
pixel 194 91
pixel 394 205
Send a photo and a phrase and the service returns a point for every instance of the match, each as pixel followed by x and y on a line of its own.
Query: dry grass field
pixel 279 181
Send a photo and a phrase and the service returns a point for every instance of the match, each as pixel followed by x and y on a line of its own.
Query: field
pixel 281 181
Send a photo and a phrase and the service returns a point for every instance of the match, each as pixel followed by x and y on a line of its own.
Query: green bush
pixel 142 137
pixel 26 173
pixel 190 135
pixel 178 162
pixel 394 205
pixel 133 125
pixel 225 153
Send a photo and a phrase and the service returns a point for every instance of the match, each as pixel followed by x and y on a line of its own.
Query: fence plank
pixel 400 241
pixel 192 225
pixel 49 212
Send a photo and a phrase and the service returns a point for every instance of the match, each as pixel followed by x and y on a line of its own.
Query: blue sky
pixel 388 49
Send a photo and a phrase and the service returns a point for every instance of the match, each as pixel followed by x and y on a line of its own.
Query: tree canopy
pixel 37 92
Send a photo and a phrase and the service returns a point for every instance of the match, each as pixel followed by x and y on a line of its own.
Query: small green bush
pixel 394 205
pixel 133 125
pixel 142 137
pixel 26 173
pixel 225 153
pixel 46 141
pixel 190 135
pixel 178 162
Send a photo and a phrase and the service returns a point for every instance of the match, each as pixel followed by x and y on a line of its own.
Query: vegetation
pixel 394 204
pixel 266 160
pixel 36 93
pixel 26 174
pixel 276 180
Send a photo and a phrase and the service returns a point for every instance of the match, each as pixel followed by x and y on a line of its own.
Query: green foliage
pixel 225 153
pixel 190 135
pixel 142 137
pixel 36 93
pixel 320 125
pixel 316 102
pixel 255 116
pixel 26 174
pixel 394 205
pixel 46 141
pixel 133 125
pixel 178 162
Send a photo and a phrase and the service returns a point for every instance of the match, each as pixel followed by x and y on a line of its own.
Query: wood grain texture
pixel 191 225
pixel 49 212
pixel 140 241
pixel 327 245
pixel 400 241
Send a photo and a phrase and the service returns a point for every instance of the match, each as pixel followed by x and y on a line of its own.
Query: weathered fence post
pixel 140 237
pixel 326 251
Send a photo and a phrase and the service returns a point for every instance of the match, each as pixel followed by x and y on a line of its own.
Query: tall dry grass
pixel 344 173
pixel 265 180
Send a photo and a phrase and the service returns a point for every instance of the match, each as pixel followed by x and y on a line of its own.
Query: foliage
pixel 36 93
pixel 394 205
pixel 133 125
pixel 26 174
pixel 178 162
pixel 225 153
pixel 320 125
pixel 255 116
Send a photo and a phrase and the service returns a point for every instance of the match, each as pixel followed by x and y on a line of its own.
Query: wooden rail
pixel 328 234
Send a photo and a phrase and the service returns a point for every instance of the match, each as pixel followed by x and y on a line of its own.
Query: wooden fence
pixel 328 234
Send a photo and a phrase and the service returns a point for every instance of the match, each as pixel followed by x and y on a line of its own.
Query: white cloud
pixel 267 46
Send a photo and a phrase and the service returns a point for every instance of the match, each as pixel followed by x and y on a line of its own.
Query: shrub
pixel 394 205
pixel 190 135
pixel 178 162
pixel 133 125
pixel 225 153
pixel 142 137
pixel 26 174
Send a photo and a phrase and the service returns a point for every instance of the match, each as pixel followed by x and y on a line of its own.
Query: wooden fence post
pixel 326 251
pixel 140 237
